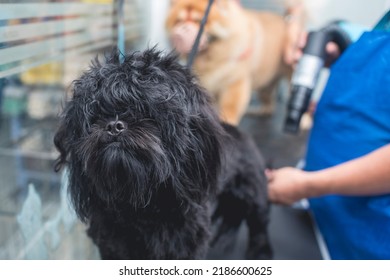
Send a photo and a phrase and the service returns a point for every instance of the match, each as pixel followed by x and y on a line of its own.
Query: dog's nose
pixel 115 127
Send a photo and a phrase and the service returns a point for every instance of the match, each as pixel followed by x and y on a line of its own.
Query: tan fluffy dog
pixel 240 51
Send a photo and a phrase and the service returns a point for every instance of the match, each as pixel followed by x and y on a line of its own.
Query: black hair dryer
pixel 306 75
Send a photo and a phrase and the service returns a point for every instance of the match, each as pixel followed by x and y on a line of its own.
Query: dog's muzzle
pixel 116 127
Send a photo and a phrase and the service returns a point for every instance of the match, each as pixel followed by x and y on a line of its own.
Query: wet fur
pixel 150 192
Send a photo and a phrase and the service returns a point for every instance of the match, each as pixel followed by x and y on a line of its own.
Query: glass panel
pixel 44 46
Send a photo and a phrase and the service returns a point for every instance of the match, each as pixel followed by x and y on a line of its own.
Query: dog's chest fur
pixel 149 233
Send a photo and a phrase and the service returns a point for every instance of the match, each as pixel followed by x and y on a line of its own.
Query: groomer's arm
pixel 367 175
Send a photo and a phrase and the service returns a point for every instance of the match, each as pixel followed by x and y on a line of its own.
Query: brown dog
pixel 240 51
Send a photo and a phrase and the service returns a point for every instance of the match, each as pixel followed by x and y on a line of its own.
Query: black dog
pixel 149 159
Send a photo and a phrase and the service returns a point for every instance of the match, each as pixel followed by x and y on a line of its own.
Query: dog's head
pixel 185 16
pixel 135 128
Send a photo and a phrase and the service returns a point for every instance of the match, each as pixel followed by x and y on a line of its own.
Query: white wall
pixel 321 12
pixel 365 12
pixel 156 33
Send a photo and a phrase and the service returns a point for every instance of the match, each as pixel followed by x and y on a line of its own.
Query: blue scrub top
pixel 351 120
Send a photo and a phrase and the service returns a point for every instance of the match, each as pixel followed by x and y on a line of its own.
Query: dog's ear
pixel 209 135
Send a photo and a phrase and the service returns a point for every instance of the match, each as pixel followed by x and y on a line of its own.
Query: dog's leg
pixel 234 101
pixel 229 214
pixel 259 244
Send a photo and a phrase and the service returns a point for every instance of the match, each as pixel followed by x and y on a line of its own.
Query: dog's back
pixel 244 54
pixel 268 64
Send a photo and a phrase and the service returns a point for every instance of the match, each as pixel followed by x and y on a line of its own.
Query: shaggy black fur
pixel 148 159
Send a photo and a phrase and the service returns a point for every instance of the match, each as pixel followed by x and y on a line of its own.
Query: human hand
pixel 286 185
pixel 294 50
pixel 296 37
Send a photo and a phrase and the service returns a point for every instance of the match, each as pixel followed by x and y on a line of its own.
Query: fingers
pixel 282 185
pixel 332 49
pixel 333 52
pixel 272 193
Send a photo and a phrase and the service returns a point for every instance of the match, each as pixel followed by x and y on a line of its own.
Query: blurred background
pixel 44 46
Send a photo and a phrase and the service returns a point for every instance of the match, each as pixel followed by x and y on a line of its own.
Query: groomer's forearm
pixel 367 175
